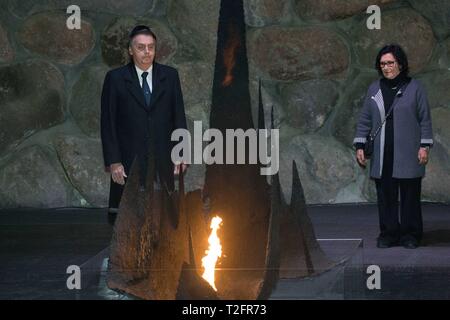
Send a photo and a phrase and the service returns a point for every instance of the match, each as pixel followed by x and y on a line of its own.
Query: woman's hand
pixel 423 155
pixel 360 157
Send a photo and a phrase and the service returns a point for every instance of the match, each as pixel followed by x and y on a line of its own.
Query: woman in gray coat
pixel 401 146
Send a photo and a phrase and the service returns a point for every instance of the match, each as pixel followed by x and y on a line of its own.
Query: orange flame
pixel 229 56
pixel 213 253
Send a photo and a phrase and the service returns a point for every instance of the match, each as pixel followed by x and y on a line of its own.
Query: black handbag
pixel 368 147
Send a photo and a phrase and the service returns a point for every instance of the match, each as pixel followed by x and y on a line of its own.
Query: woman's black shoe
pixel 386 242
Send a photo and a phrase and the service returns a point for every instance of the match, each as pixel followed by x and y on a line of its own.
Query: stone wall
pixel 314 57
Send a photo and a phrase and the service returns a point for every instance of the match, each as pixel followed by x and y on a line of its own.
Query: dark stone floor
pixel 422 273
pixel 37 246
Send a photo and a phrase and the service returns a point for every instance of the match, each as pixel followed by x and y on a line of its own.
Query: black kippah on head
pixel 141 29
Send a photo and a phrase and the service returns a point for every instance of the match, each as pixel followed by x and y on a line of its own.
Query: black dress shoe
pixel 386 242
pixel 410 243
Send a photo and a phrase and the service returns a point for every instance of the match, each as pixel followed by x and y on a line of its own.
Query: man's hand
pixel 180 166
pixel 423 155
pixel 118 173
pixel 361 158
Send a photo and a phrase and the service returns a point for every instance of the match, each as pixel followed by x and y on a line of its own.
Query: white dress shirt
pixel 149 76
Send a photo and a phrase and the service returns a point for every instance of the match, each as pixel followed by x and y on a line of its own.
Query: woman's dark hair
pixel 399 55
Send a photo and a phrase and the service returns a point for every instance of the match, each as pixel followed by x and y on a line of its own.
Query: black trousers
pixel 410 222
pixel 115 194
pixel 116 191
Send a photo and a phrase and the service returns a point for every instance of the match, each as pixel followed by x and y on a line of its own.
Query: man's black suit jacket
pixel 129 128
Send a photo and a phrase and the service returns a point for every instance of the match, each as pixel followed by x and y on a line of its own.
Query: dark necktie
pixel 146 89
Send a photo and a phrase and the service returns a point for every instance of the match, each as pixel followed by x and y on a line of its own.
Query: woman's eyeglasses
pixel 386 63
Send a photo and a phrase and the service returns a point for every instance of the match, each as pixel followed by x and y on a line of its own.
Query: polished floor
pixel 38 246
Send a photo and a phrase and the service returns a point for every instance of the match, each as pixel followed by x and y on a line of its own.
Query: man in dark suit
pixel 141 105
